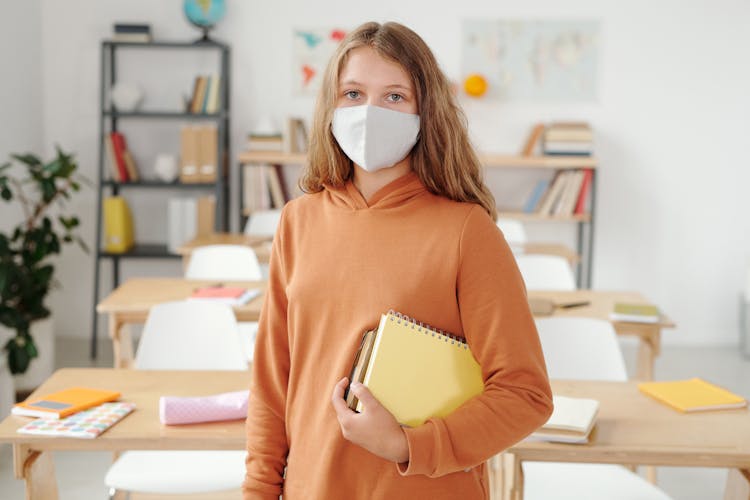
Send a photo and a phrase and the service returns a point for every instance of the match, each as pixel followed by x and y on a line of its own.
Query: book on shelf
pixel 583 195
pixel 208 161
pixel 199 94
pixel 571 421
pixel 692 395
pixel 635 313
pixel 116 153
pixel 86 424
pixel 265 142
pixel 132 32
pixel 62 403
pixel 189 154
pixel 124 157
pixel 230 295
pixel 569 196
pixel 416 372
pixel 531 147
pixel 119 235
pixel 551 198
pixel 532 202
pixel 188 218
pixel 295 138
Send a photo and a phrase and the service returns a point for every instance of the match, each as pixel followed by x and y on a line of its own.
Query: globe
pixel 204 14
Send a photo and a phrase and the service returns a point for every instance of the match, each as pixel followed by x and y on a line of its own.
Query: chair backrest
pixel 546 272
pixel 513 230
pixel 190 335
pixel 581 349
pixel 263 223
pixel 223 262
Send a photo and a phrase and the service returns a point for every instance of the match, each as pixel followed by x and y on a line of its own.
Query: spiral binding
pixel 426 329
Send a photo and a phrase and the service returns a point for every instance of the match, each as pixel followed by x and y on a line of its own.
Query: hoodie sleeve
pixel 267 444
pixel 501 334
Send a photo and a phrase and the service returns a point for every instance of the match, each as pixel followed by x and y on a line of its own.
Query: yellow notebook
pixel 63 403
pixel 417 372
pixel 692 395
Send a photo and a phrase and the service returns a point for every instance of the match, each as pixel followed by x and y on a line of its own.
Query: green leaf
pixel 5 166
pixel 28 159
pixel 18 357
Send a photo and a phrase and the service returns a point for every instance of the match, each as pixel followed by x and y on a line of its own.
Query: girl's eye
pixel 395 97
pixel 352 94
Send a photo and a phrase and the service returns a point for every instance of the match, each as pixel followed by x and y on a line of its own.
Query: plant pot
pixel 40 367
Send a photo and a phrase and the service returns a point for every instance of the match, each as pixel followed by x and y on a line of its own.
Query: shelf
pixel 489 160
pixel 523 216
pixel 492 160
pixel 142 251
pixel 159 185
pixel 179 115
pixel 165 45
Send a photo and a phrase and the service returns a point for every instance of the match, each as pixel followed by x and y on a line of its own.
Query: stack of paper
pixel 232 295
pixel 571 421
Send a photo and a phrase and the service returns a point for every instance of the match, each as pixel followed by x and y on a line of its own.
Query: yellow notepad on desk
pixel 417 372
pixel 692 395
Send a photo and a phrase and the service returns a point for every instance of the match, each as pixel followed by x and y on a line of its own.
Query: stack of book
pixel 122 165
pixel 205 96
pixel 571 421
pixel 265 141
pixel 129 32
pixel 568 139
pixel 77 412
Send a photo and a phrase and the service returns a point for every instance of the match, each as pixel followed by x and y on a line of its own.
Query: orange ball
pixel 475 85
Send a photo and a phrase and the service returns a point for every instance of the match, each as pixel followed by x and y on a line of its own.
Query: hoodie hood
pixel 394 194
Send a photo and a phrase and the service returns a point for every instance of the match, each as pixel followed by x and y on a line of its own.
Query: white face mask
pixel 375 137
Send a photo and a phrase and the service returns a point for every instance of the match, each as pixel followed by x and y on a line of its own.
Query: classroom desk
pixel 633 429
pixel 141 430
pixel 130 303
pixel 260 244
pixel 601 303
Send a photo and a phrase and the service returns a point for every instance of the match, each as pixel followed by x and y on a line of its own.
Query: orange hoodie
pixel 337 264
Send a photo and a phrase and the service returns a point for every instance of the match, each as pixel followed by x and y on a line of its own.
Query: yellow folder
pixel 692 395
pixel 118 225
pixel 417 372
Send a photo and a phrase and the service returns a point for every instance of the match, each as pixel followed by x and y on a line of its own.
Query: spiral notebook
pixel 417 372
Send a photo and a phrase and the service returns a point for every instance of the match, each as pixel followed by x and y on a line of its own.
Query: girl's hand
pixel 374 429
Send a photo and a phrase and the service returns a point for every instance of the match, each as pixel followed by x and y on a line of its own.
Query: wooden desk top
pixel 632 428
pixel 601 304
pixel 136 296
pixel 142 429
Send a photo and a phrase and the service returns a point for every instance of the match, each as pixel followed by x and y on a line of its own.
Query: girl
pixel 396 216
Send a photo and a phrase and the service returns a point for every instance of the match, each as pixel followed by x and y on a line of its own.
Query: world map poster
pixel 533 60
pixel 313 48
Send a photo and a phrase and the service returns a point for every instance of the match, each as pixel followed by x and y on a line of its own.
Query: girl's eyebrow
pixel 358 84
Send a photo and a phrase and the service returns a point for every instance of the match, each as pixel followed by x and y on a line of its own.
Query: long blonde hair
pixel 442 158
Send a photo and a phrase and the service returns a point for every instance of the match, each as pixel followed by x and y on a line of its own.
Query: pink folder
pixel 189 410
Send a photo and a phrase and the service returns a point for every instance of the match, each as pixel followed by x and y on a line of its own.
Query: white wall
pixel 20 90
pixel 671 127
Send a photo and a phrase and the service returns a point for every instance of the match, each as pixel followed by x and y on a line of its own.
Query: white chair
pixel 583 349
pixel 546 272
pixel 513 230
pixel 228 263
pixel 177 336
pixel 223 263
pixel 263 222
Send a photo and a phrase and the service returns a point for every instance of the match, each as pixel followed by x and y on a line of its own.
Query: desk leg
pixel 513 474
pixel 647 352
pixel 122 343
pixel 37 469
pixel 738 485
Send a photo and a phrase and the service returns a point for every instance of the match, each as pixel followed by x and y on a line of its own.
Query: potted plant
pixel 26 270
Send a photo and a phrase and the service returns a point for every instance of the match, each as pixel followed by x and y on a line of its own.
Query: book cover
pixel 536 195
pixel 208 145
pixel 189 155
pixel 692 395
pixel 231 295
pixel 63 403
pixel 86 424
pixel 571 421
pixel 531 142
pixel 118 147
pixel 417 372
pixel 635 313
pixel 580 207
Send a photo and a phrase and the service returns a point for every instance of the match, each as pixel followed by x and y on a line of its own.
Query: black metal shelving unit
pixel 109 120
